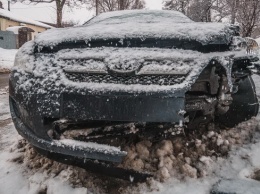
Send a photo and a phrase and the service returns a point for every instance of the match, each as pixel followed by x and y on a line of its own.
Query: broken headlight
pixel 249 45
pixel 24 59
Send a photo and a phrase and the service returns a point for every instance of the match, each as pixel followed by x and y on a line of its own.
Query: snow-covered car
pixel 124 67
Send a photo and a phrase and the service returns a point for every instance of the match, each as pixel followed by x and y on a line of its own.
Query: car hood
pixel 205 33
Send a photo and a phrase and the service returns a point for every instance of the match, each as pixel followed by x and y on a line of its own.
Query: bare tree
pixel 246 13
pixel 178 5
pixel 113 5
pixel 70 23
pixel 198 10
pixel 220 10
pixel 248 16
pixel 234 5
pixel 59 6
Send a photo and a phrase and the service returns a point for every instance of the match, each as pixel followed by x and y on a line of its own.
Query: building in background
pixel 15 30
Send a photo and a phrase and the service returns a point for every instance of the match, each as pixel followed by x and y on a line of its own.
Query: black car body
pixel 129 66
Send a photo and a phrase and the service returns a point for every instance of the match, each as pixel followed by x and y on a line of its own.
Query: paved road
pixel 4 80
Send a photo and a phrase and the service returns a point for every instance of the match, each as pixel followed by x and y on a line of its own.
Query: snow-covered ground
pixel 7 59
pixel 17 178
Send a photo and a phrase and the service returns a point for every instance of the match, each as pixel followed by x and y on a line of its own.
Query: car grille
pixel 165 80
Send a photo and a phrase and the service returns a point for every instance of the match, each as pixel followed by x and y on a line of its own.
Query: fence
pixel 8 40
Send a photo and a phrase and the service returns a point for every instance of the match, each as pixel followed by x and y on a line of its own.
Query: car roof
pixel 140 16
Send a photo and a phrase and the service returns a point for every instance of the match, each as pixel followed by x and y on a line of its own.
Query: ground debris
pixel 181 157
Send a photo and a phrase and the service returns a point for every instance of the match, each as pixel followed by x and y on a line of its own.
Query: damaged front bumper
pixel 70 148
pixel 34 114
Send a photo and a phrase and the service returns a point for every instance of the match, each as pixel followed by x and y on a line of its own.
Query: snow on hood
pixel 140 24
pixel 42 66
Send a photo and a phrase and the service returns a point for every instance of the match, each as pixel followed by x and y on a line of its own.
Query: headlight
pixel 249 45
pixel 24 59
pixel 252 46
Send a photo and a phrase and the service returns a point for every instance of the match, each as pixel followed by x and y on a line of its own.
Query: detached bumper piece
pixel 103 168
pixel 70 147
pixel 93 157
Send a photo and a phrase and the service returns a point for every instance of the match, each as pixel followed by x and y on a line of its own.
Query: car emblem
pixel 124 68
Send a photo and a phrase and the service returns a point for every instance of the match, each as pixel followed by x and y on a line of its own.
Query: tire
pixel 244 106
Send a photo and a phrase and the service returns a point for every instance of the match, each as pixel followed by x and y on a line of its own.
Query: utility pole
pixel 1 5
pixel 121 5
pixel 9 5
pixel 97 10
pixel 235 5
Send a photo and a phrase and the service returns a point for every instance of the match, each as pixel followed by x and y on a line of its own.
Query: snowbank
pixel 7 59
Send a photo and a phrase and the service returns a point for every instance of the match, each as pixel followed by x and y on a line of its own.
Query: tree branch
pixel 42 1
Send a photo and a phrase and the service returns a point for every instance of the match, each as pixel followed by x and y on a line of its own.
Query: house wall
pixel 37 29
pixel 8 40
pixel 5 23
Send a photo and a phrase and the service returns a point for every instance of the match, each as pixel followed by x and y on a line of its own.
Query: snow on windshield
pixel 139 16
pixel 139 24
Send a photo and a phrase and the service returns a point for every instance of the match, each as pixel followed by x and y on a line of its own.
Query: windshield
pixel 139 16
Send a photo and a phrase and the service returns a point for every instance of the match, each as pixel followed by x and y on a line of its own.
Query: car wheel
pixel 244 105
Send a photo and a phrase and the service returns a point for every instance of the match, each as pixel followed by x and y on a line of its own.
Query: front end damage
pixel 80 104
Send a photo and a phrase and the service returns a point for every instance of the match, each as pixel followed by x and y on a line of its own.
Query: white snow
pixel 87 146
pixel 4 114
pixel 239 186
pixel 258 40
pixel 7 57
pixel 138 24
pixel 18 179
pixel 234 167
pixel 177 60
pixel 12 16
pixel 14 29
pixel 152 16
pixel 240 165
